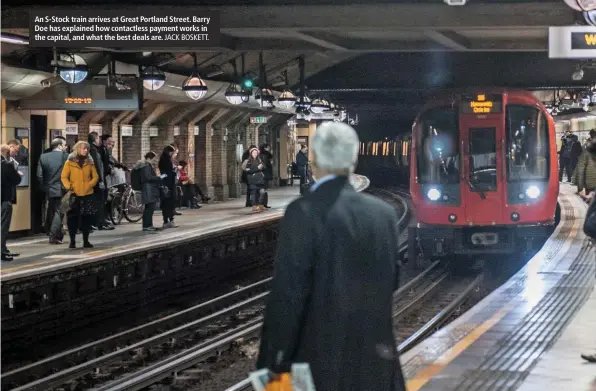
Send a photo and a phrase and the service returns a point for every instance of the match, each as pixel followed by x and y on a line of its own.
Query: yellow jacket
pixel 79 179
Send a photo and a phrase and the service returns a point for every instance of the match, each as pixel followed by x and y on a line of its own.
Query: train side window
pixel 527 144
pixel 438 156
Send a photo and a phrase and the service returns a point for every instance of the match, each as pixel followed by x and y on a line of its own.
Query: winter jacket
pixel 150 182
pixel 79 179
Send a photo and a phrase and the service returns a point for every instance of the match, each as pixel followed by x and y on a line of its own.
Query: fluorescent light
pixel 14 39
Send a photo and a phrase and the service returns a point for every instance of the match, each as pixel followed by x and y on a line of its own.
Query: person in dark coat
pixel 302 163
pixel 10 179
pixel 331 297
pixel 253 166
pixel 267 159
pixel 49 170
pixel 150 192
pixel 50 149
pixel 168 203
pixel 564 166
pixel 575 150
pixel 243 179
pixel 100 190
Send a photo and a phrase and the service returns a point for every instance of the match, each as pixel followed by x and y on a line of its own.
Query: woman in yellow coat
pixel 79 176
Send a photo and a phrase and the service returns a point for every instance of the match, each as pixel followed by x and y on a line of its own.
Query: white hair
pixel 336 145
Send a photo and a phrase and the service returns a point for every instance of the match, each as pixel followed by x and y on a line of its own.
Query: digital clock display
pixel 482 104
pixel 78 101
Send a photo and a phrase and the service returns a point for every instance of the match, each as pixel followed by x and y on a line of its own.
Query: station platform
pixel 37 256
pixel 529 333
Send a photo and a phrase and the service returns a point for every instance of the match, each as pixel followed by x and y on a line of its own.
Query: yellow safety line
pixel 426 374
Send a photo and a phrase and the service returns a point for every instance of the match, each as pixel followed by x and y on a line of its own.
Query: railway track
pixel 147 354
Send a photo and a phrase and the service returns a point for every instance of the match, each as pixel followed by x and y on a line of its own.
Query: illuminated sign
pixel 78 101
pixel 583 40
pixel 572 42
pixel 481 104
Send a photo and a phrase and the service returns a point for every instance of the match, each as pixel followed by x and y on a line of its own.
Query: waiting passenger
pixel 590 222
pixel 49 171
pixel 100 191
pixel 190 188
pixel 79 176
pixel 168 196
pixel 243 177
pixel 267 158
pixel 10 179
pixel 150 191
pixel 302 164
pixel 253 166
pixel 585 174
pixel 331 297
pixel 50 149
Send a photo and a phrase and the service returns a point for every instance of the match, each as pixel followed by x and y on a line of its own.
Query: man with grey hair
pixel 49 170
pixel 331 297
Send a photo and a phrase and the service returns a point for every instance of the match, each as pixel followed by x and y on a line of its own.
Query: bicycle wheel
pixel 116 214
pixel 134 207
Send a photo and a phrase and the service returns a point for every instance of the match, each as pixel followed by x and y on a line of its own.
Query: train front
pixel 483 175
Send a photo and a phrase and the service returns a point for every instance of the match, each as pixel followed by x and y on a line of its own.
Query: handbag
pixel 258 178
pixel 67 202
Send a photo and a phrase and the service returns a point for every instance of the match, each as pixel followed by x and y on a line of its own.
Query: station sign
pixel 258 120
pixel 96 128
pixel 482 104
pixel 572 42
pixel 176 130
pixel 324 116
pixel 196 130
pixel 87 95
pixel 71 129
pixel 126 130
pixel 153 131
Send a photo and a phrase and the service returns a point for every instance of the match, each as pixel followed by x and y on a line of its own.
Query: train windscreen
pixel 438 156
pixel 527 144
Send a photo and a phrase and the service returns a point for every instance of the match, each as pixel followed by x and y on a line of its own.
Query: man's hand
pixel 20 173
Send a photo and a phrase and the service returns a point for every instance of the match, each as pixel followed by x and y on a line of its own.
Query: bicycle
pixel 125 203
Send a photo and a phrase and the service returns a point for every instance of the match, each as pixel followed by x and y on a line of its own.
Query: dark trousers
pixel 6 218
pixel 565 166
pixel 53 221
pixel 257 196
pixel 76 222
pixel 102 197
pixel 248 196
pixel 148 215
pixel 191 190
pixel 266 197
pixel 168 206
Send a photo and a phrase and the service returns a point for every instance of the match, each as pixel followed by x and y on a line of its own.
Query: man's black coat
pixel 330 304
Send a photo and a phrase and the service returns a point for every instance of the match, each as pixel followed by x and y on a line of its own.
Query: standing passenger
pixel 168 201
pixel 49 171
pixel 255 179
pixel 331 297
pixel 267 158
pixel 243 177
pixel 100 191
pixel 10 179
pixel 150 192
pixel 302 164
pixel 80 177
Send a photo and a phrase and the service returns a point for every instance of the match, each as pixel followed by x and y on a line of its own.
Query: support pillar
pixel 88 118
pixel 220 153
pixel 233 167
pixel 196 148
pixel 205 146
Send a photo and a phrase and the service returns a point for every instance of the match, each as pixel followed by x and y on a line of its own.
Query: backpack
pixel 135 179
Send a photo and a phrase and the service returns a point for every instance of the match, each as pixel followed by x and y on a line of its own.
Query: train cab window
pixel 438 156
pixel 527 144
pixel 483 159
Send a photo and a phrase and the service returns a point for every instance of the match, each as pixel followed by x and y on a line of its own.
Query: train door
pixel 36 148
pixel 481 187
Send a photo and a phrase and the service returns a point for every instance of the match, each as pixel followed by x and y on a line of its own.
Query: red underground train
pixel 483 174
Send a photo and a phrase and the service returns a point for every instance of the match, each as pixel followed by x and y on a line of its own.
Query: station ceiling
pixel 407 46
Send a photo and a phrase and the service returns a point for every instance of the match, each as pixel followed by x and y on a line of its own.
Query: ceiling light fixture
pixel 265 98
pixel 236 95
pixel 72 68
pixel 14 39
pixel 319 105
pixel 153 78
pixel 194 87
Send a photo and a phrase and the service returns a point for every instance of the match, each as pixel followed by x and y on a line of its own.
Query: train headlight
pixel 433 194
pixel 452 218
pixel 515 216
pixel 533 192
